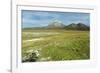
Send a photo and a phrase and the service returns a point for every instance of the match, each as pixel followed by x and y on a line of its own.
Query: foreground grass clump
pixel 55 45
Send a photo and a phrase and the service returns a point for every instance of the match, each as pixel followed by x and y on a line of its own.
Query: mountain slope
pixel 78 26
pixel 56 24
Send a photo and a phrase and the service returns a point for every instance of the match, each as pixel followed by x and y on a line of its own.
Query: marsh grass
pixel 65 45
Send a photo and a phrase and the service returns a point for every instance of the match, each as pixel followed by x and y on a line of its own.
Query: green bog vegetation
pixel 55 45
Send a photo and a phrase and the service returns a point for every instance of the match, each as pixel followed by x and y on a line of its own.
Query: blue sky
pixel 32 18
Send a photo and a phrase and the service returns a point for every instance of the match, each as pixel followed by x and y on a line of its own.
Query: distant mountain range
pixel 59 25
pixel 78 26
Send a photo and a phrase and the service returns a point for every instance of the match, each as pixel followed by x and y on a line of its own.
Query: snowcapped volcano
pixel 56 24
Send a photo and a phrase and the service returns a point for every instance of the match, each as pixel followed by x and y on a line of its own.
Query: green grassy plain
pixel 56 45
